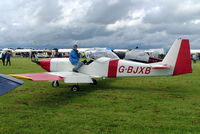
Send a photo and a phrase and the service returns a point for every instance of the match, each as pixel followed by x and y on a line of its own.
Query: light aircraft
pixel 176 62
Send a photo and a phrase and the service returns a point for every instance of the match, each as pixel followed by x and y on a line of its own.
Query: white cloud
pixel 134 18
pixel 98 22
pixel 2 29
pixel 122 23
pixel 137 14
pixel 112 2
pixel 196 21
pixel 16 24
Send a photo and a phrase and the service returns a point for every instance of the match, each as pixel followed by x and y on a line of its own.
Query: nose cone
pixel 45 64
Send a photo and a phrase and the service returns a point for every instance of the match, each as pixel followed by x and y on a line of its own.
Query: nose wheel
pixel 55 84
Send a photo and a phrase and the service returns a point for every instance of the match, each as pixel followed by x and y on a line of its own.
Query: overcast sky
pixel 98 23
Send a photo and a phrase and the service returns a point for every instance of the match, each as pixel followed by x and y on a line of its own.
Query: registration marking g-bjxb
pixel 134 70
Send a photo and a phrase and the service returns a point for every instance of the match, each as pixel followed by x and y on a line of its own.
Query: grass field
pixel 137 105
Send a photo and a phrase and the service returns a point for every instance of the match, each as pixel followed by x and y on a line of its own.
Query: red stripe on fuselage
pixel 112 68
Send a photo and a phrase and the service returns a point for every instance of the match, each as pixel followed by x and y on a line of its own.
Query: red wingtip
pixel 45 64
pixel 183 63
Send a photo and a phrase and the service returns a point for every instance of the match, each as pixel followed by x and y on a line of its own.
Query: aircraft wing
pixel 38 76
pixel 8 83
pixel 67 77
pixel 160 66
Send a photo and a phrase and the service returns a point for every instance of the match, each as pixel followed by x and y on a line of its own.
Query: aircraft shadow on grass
pixel 62 96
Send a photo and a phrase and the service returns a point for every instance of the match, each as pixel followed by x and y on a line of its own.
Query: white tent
pixel 195 51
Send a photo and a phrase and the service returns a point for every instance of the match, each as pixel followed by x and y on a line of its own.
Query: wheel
pixel 94 82
pixel 55 84
pixel 75 88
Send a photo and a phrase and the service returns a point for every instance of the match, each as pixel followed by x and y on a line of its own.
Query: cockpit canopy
pixel 95 53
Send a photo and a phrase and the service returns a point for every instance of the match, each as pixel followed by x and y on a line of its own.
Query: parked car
pixel 41 55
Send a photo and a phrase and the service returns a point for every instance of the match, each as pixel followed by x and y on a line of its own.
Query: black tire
pixel 94 82
pixel 75 88
pixel 55 84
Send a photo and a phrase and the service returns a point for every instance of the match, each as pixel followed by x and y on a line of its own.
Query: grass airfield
pixel 138 105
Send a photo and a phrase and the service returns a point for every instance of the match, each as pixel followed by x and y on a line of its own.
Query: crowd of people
pixel 6 56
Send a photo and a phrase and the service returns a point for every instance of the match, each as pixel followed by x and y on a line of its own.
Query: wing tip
pixel 20 76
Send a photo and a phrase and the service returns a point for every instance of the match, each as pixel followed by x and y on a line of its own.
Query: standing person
pixel 8 56
pixel 58 55
pixel 74 59
pixel 34 56
pixel 3 58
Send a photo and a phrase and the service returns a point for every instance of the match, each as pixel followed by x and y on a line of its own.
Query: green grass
pixel 139 105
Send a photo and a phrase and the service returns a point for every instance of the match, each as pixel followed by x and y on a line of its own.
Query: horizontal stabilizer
pixel 161 66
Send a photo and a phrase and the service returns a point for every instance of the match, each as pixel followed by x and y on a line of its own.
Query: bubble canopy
pixel 95 53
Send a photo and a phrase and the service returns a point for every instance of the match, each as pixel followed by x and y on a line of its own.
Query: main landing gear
pixel 55 83
pixel 74 88
pixel 94 82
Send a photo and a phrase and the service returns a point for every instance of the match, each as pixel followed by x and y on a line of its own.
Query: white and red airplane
pixel 176 62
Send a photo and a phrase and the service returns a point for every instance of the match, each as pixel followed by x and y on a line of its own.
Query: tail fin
pixel 179 57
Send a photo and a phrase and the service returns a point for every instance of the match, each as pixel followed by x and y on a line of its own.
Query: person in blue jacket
pixel 8 56
pixel 74 59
